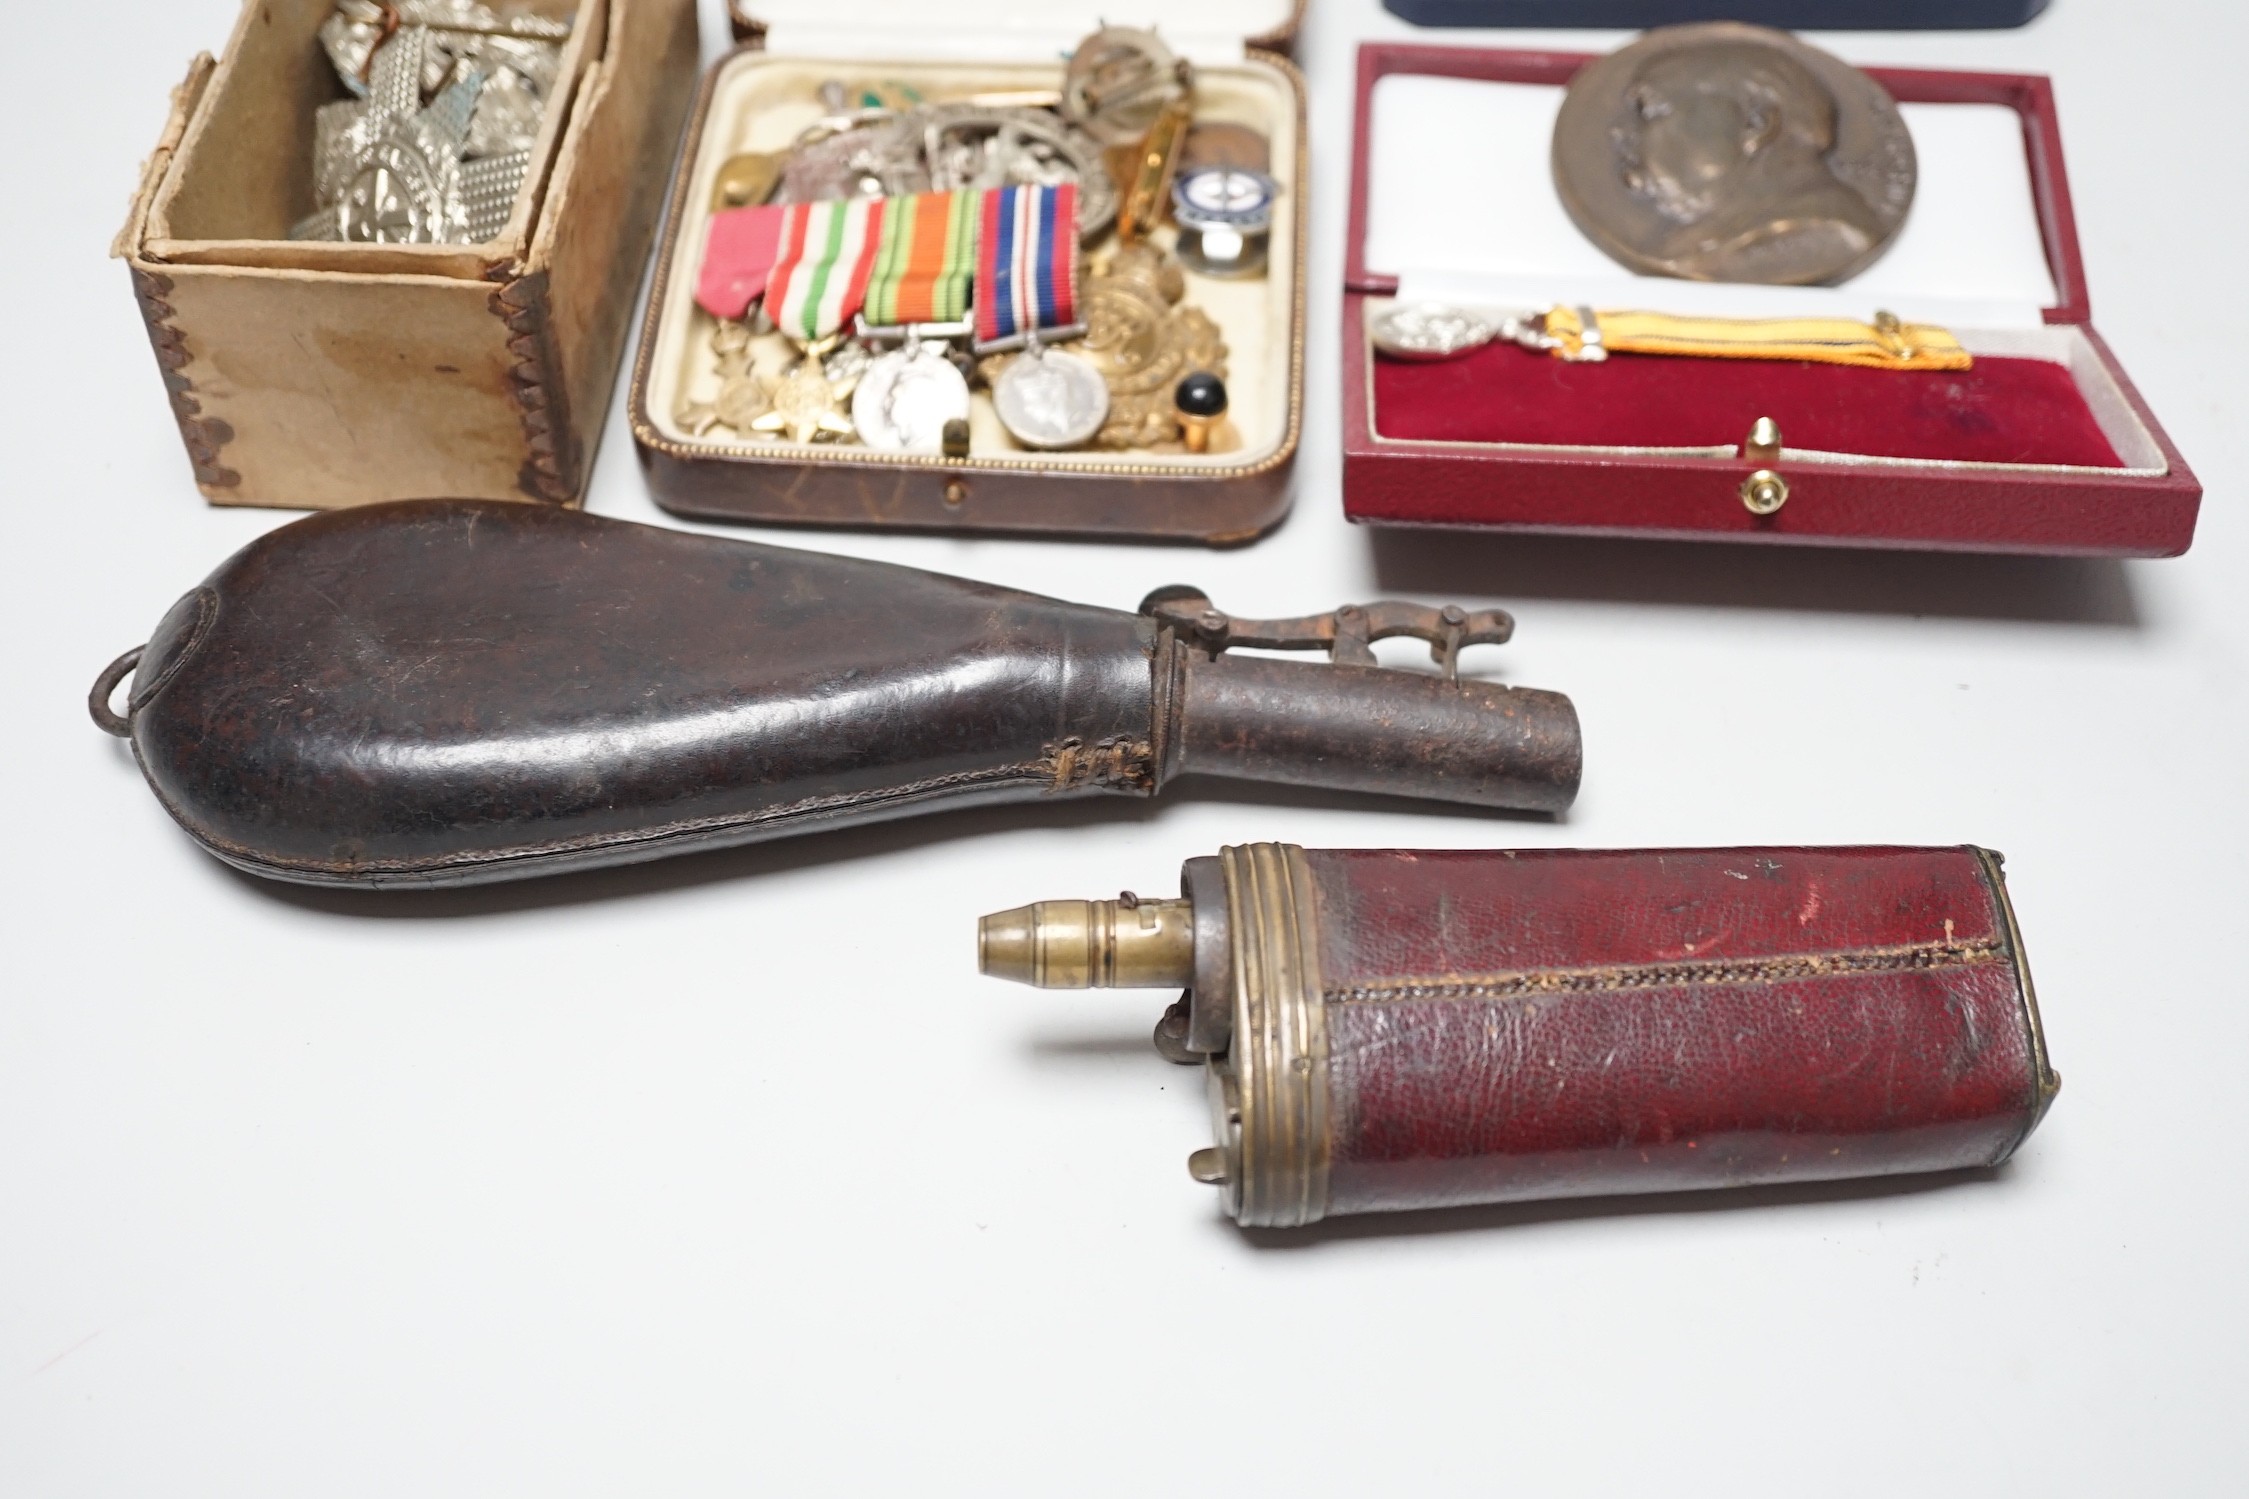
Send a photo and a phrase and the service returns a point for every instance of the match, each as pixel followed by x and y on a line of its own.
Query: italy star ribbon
pixel 826 259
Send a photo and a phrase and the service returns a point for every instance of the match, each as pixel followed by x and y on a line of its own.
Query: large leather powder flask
pixel 450 692
pixel 1387 1030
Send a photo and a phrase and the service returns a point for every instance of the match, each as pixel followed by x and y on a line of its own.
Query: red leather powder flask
pixel 1387 1029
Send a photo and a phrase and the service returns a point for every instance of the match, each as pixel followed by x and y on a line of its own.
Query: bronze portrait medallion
pixel 1725 152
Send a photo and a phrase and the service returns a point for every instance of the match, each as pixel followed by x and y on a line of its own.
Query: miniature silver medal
pixel 906 397
pixel 1051 400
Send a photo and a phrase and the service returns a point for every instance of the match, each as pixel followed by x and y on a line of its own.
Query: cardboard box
pixel 322 375
pixel 2045 447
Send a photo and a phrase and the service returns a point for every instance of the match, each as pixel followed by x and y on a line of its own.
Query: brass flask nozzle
pixel 1126 943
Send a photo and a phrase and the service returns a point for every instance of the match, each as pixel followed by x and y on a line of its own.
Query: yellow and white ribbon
pixel 1583 335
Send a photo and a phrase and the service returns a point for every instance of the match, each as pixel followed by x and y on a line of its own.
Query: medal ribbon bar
pixel 1027 269
pixel 1886 343
pixel 927 260
pixel 827 258
pixel 738 260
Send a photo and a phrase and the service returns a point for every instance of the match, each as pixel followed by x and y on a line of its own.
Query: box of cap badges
pixel 388 249
pixel 1719 183
pixel 985 267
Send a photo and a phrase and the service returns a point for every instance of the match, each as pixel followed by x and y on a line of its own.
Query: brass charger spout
pixel 1127 943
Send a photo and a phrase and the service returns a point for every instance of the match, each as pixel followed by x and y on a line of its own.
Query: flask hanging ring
pixel 106 718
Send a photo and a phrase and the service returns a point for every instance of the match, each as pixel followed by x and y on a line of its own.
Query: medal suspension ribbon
pixel 903 260
pixel 739 253
pixel 1027 265
pixel 926 260
pixel 1884 344
pixel 827 257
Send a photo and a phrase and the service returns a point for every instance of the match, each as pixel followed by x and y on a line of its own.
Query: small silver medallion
pixel 1119 82
pixel 1051 400
pixel 1424 332
pixel 847 364
pixel 905 399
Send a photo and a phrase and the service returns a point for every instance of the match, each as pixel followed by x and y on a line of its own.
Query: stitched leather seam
pixel 1695 974
pixel 206 614
pixel 204 436
pixel 806 809
pixel 550 468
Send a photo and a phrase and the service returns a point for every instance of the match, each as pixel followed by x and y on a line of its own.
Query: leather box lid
pixel 997 28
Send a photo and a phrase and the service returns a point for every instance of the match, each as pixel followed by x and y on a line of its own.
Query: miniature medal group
pixel 906 253
pixel 434 144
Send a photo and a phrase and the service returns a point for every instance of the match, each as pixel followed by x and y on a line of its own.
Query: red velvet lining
pixel 2002 411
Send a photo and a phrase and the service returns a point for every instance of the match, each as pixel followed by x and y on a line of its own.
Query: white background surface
pixel 730 1176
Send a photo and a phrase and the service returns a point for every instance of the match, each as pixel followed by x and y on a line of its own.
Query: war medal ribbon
pixel 1027 270
pixel 1027 298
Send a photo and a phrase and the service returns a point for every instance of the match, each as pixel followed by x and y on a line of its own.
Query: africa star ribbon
pixel 926 261
pixel 827 256
pixel 1027 266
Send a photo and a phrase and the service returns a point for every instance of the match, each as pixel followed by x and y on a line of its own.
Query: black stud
pixel 1201 394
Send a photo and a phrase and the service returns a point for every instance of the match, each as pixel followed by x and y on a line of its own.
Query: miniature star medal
pixel 807 406
pixel 741 398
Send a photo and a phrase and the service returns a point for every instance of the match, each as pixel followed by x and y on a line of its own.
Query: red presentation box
pixel 2044 447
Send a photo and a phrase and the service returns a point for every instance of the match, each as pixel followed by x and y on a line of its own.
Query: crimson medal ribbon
pixel 1027 266
pixel 738 258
